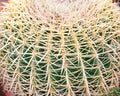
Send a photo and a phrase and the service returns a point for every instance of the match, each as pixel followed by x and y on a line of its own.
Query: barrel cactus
pixel 60 47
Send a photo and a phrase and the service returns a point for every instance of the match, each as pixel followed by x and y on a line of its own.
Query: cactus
pixel 60 47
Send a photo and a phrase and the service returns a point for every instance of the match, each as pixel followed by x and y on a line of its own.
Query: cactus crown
pixel 65 11
pixel 67 48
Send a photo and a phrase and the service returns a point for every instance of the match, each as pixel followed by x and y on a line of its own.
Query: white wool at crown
pixel 63 7
pixel 70 10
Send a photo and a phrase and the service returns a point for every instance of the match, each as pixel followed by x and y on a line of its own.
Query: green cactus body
pixel 69 52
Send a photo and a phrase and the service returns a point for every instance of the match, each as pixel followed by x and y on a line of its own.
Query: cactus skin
pixel 42 55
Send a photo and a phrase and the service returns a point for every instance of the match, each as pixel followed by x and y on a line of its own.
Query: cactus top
pixel 67 11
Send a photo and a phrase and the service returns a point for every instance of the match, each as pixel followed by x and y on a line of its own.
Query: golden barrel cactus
pixel 60 47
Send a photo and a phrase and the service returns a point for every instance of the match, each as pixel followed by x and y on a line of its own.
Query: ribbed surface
pixel 40 57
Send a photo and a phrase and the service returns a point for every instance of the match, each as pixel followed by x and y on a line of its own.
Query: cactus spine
pixel 69 48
